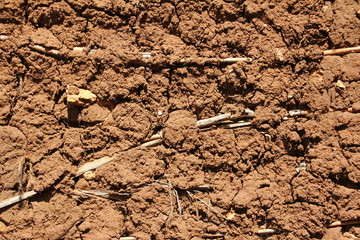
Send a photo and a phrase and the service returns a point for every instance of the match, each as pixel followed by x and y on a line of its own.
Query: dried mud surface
pixel 252 177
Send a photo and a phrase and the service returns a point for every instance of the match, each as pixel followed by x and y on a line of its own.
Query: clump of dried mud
pixel 197 185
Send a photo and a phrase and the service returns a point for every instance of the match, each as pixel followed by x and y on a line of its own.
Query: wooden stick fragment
pixel 16 199
pixel 344 223
pixel 93 165
pixel 265 231
pixel 341 51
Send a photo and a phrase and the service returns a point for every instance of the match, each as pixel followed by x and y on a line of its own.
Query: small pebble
pixel 159 113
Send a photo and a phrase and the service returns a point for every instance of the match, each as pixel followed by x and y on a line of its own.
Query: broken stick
pixel 16 199
pixel 341 51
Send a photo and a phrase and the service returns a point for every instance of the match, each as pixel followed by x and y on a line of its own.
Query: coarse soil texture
pixel 294 175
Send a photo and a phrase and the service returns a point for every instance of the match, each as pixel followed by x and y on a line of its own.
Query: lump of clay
pixel 180 131
pixel 79 97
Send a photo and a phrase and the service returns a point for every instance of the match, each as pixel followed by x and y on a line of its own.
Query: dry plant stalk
pixel 103 194
pixel 208 205
pixel 341 51
pixel 16 199
pixel 93 165
pixel 152 143
pixel 157 135
pixel 42 49
pixel 297 112
pixel 344 223
pixel 4 37
pixel 265 231
pixel 214 60
pixel 220 119
pixel 236 124
pixel 127 238
pixel 213 120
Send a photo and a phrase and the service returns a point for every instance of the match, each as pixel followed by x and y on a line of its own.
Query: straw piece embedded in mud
pixel 265 231
pixel 4 37
pixel 232 60
pixel 213 120
pixel 344 223
pixel 127 238
pixel 204 60
pixel 16 199
pixel 206 204
pixel 42 49
pixel 297 112
pixel 152 143
pixel 341 51
pixel 236 124
pixel 93 165
pixel 103 194
pixel 216 235
pixel 80 50
pixel 157 135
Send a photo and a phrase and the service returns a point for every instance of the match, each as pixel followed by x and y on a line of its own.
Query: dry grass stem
pixel 103 194
pixel 42 49
pixel 4 37
pixel 157 135
pixel 344 223
pixel 16 199
pixel 206 204
pixel 265 231
pixel 233 60
pixel 210 121
pixel 341 51
pixel 170 188
pixel 93 165
pixel 217 235
pixel 297 112
pixel 178 201
pixel 236 124
pixel 127 238
pixel 152 143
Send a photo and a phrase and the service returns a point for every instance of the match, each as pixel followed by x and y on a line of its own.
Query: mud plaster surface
pixel 253 179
